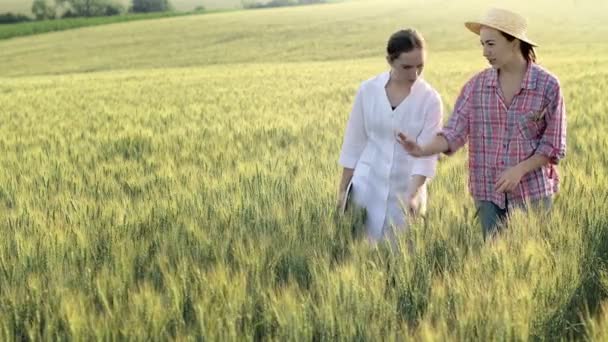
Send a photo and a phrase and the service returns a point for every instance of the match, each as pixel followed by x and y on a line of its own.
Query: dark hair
pixel 403 41
pixel 527 50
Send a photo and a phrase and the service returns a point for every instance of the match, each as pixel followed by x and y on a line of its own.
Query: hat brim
pixel 475 27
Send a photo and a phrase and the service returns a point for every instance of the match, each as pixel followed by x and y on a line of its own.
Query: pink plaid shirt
pixel 501 137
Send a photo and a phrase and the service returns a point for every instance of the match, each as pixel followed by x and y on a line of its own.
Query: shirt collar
pixel 529 81
pixel 384 79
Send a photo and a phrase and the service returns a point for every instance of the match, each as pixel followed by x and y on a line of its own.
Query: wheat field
pixel 174 179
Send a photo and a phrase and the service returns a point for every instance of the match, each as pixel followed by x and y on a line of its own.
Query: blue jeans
pixel 491 216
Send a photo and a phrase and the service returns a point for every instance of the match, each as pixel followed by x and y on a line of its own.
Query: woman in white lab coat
pixel 386 181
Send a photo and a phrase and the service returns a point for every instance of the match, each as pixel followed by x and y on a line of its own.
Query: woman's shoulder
pixel 546 77
pixel 374 82
pixel 425 93
pixel 485 77
pixel 427 88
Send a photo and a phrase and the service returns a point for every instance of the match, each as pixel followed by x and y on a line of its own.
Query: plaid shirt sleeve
pixel 553 141
pixel 456 131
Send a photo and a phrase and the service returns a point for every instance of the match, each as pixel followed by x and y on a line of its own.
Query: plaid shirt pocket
pixel 530 125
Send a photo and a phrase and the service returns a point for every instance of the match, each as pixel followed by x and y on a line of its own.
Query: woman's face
pixel 409 65
pixel 496 48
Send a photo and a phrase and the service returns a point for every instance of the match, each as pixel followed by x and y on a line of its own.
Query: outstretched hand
pixel 409 145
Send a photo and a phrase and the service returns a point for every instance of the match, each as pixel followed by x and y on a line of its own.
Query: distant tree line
pixel 54 9
pixel 10 18
pixel 279 3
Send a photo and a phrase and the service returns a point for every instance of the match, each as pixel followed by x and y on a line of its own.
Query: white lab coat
pixel 382 167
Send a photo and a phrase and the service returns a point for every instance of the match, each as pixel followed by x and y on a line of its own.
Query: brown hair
pixel 527 50
pixel 403 41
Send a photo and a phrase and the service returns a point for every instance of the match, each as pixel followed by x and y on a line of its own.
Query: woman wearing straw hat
pixel 514 119
pixel 385 180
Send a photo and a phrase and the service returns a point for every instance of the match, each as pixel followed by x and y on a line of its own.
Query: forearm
pixel 438 145
pixel 347 175
pixel 534 162
pixel 510 178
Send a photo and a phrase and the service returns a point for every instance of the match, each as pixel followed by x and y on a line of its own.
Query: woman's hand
pixel 347 176
pixel 412 196
pixel 509 179
pixel 340 199
pixel 412 205
pixel 410 145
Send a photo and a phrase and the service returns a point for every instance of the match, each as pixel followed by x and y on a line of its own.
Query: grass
pixel 174 194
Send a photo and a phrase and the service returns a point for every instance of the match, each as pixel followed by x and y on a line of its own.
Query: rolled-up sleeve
pixel 456 131
pixel 553 141
pixel 355 135
pixel 426 166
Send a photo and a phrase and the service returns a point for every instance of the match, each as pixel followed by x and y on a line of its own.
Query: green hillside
pixel 25 6
pixel 310 33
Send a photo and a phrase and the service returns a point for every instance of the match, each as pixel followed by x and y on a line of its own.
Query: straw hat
pixel 505 21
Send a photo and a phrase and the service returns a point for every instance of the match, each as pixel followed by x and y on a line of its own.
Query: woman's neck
pixel 517 67
pixel 401 84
